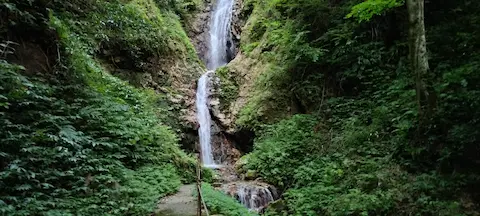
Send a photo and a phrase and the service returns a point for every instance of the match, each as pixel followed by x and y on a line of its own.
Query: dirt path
pixel 183 203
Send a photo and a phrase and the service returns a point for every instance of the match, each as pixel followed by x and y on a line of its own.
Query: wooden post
pixel 199 185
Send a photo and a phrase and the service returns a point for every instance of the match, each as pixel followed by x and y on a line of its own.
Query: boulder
pixel 241 163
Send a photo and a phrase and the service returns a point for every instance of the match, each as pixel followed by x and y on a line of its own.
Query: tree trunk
pixel 418 57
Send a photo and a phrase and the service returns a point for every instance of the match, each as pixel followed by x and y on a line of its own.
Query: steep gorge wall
pixel 224 133
pixel 241 101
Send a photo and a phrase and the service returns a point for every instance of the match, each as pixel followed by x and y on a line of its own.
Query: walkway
pixel 183 203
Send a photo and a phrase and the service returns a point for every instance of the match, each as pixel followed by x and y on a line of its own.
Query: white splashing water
pixel 252 195
pixel 204 120
pixel 220 36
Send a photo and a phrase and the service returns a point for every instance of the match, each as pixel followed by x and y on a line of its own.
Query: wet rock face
pixel 254 195
pixel 220 115
pixel 224 151
pixel 237 23
pixel 224 116
pixel 223 148
pixel 198 29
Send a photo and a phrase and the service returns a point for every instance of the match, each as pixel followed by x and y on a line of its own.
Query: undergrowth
pixel 75 140
pixel 335 115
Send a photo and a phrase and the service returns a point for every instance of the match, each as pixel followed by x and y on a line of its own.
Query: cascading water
pixel 204 120
pixel 219 49
pixel 220 36
pixel 254 195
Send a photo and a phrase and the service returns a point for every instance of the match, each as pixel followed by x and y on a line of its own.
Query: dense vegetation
pixel 345 124
pixel 336 114
pixel 76 140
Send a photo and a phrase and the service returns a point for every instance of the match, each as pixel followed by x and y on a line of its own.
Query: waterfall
pixel 204 120
pixel 220 37
pixel 218 55
pixel 253 195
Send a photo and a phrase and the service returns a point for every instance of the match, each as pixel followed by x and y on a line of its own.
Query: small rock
pixel 251 174
pixel 217 184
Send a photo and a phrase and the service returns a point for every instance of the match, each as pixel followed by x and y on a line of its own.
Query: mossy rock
pixel 241 163
pixel 251 175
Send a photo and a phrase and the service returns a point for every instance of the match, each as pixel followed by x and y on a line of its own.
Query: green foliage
pixel 277 152
pixel 136 29
pixel 229 87
pixel 349 172
pixel 147 184
pixel 67 153
pixel 367 9
pixel 269 101
pixel 282 44
pixel 360 149
pixel 77 140
pixel 220 203
pixel 184 8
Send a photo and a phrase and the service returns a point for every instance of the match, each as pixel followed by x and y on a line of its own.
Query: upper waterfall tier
pixel 220 45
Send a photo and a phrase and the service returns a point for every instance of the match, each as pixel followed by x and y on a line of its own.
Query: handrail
pixel 200 199
pixel 203 201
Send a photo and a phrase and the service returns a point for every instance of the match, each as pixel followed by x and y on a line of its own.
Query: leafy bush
pixel 77 140
pixel 281 148
pixel 361 149
pixel 350 172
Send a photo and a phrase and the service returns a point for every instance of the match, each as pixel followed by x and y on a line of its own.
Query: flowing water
pixel 220 37
pixel 204 120
pixel 219 48
pixel 254 195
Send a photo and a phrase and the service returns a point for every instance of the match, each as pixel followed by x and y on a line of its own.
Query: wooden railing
pixel 200 200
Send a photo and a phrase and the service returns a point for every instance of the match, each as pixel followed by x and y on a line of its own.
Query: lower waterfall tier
pixel 254 195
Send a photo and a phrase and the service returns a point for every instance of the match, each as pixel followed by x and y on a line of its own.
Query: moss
pixel 143 43
pixel 137 36
pixel 116 141
pixel 229 88
pixel 269 99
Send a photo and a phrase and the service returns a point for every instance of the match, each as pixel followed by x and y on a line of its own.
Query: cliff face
pixel 241 101
pixel 197 29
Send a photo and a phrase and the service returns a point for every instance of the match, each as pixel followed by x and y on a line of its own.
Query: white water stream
pixel 220 36
pixel 253 195
pixel 219 43
pixel 204 120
